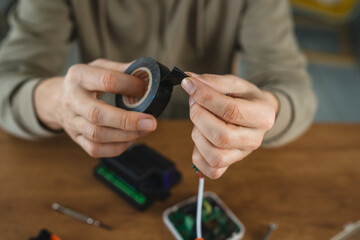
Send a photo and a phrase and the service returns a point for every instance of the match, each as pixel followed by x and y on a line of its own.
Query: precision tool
pixel 272 227
pixel 57 207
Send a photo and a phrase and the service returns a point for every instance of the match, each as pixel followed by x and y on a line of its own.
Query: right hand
pixel 72 103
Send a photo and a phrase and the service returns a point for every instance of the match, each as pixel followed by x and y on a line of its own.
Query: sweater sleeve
pixel 274 63
pixel 35 48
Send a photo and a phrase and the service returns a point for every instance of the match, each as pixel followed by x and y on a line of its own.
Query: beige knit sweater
pixel 200 36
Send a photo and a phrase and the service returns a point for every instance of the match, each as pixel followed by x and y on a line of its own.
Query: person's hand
pixel 71 103
pixel 230 117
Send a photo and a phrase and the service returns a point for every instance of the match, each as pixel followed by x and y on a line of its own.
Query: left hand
pixel 230 117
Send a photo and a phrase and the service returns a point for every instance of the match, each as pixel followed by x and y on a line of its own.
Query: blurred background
pixel 328 31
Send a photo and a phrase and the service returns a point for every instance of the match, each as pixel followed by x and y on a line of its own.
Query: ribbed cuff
pixel 282 121
pixel 23 104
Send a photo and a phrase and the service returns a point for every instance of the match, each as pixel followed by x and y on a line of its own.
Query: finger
pixel 225 84
pixel 215 157
pixel 204 167
pixel 111 65
pixel 103 134
pixel 99 79
pixel 97 150
pixel 221 134
pixel 233 110
pixel 102 114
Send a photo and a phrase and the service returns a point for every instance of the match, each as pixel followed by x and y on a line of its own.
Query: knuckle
pixel 205 98
pixel 210 77
pixel 258 142
pixel 195 113
pixel 214 173
pixel 98 61
pixel 125 122
pixel 117 65
pixel 73 72
pixel 194 135
pixel 231 112
pixel 269 120
pixel 122 148
pixel 73 69
pixel 255 143
pixel 221 139
pixel 232 79
pixel 94 114
pixel 196 158
pixel 108 80
pixel 93 150
pixel 68 119
pixel 217 160
pixel 240 83
pixel 66 102
pixel 267 116
pixel 94 133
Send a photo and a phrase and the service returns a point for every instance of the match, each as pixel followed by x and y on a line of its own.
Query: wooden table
pixel 311 187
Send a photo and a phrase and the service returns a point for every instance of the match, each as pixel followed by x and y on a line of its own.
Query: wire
pixel 199 206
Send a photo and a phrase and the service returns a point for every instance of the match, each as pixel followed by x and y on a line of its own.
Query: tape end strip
pixel 175 76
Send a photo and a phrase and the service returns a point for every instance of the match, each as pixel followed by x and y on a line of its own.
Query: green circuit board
pixel 216 224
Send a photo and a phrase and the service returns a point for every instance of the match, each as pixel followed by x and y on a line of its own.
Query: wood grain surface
pixel 310 188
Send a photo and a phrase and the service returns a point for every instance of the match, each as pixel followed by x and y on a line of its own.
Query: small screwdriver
pixel 57 207
pixel 272 227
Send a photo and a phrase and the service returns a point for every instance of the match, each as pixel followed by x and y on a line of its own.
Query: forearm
pixel 35 49
pixel 17 109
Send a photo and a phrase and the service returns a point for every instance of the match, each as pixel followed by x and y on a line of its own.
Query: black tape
pixel 161 81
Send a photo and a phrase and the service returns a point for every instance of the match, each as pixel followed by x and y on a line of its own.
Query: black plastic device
pixel 140 175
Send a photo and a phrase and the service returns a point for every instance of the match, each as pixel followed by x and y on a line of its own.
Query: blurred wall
pixel 332 47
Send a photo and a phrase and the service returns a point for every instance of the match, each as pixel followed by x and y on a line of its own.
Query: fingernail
pixel 146 124
pixel 187 84
pixel 192 74
pixel 191 101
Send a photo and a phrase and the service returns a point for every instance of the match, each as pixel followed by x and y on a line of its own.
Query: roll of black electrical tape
pixel 160 85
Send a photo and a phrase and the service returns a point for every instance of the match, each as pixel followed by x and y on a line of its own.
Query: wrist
pixel 47 100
